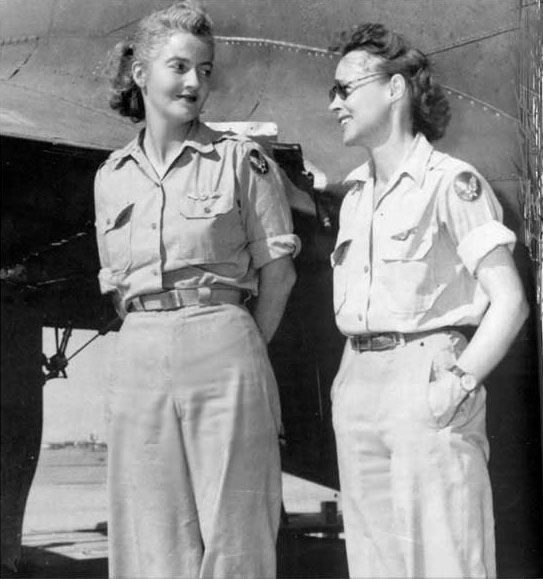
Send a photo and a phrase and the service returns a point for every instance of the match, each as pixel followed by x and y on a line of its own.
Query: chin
pixel 350 140
pixel 184 118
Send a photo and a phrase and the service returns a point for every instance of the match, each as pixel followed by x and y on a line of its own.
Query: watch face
pixel 469 383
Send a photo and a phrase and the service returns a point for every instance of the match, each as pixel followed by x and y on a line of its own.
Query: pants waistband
pixel 181 298
pixel 390 340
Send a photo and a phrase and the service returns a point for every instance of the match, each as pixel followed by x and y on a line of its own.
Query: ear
pixel 138 74
pixel 398 87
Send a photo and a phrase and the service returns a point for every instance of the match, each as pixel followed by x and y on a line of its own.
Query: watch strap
pixel 468 381
pixel 457 371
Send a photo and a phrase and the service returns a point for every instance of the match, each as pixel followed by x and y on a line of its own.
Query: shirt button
pixel 207 210
pixel 366 269
pixel 155 272
pixel 153 225
pixel 360 317
pixel 108 221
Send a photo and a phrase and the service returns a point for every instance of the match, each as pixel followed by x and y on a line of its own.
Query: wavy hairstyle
pixel 429 105
pixel 151 33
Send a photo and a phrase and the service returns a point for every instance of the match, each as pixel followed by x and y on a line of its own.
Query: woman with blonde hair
pixel 190 222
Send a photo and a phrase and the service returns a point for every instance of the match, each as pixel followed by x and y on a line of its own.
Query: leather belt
pixel 390 340
pixel 176 299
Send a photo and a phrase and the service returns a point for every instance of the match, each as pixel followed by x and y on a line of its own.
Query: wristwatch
pixel 467 381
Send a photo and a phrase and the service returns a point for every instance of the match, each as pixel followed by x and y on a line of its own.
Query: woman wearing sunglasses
pixel 426 291
pixel 190 221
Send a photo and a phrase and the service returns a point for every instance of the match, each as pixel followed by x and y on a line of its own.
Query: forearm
pixel 499 327
pixel 275 284
pixel 504 318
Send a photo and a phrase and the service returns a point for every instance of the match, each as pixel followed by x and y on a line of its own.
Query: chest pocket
pixel 407 275
pixel 211 229
pixel 340 269
pixel 407 245
pixel 115 227
pixel 205 204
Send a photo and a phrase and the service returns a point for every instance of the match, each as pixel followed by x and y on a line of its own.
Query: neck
pixel 386 157
pixel 162 141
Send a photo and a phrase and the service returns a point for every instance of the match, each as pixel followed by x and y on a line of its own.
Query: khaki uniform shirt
pixel 408 261
pixel 217 216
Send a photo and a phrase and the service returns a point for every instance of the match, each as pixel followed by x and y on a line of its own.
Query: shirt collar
pixel 416 161
pixel 120 155
pixel 357 177
pixel 200 137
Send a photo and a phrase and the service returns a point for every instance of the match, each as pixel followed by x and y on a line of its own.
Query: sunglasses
pixel 344 90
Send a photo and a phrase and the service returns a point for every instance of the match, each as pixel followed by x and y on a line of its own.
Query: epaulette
pixel 442 161
pixel 118 155
pixel 236 137
pixel 255 151
pixel 213 137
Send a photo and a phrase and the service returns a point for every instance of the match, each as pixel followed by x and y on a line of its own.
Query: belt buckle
pixel 173 300
pixel 169 300
pixel 361 343
pixel 383 342
pixel 390 340
pixel 377 342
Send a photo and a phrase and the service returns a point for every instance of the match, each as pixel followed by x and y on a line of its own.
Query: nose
pixel 335 105
pixel 191 78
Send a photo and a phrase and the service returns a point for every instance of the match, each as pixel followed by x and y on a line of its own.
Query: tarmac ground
pixel 65 528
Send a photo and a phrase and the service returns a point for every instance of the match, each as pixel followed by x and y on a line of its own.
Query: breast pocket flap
pixel 114 218
pixel 407 245
pixel 205 205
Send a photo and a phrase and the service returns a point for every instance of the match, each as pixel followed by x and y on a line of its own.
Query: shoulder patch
pixel 258 163
pixel 467 186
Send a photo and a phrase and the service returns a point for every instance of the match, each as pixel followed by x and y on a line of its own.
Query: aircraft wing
pixel 273 64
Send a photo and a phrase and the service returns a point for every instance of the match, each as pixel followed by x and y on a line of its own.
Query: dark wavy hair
pixel 151 33
pixel 429 105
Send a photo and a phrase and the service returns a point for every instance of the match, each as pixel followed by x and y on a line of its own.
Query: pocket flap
pixel 407 244
pixel 114 218
pixel 340 252
pixel 205 204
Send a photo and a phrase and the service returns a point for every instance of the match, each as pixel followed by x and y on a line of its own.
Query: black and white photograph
pixel 271 289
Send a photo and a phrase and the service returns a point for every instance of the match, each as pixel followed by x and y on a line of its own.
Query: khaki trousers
pixel 194 471
pixel 416 493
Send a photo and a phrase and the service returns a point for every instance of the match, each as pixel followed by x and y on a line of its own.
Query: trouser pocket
pixel 448 403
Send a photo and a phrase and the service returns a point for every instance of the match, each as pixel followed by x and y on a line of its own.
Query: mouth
pixel 343 120
pixel 188 97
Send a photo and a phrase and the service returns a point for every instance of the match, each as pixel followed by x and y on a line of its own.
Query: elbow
pixel 278 277
pixel 522 312
pixel 521 306
pixel 289 278
pixel 524 309
pixel 292 276
pixel 518 308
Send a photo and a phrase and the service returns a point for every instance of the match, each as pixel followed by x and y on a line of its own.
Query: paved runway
pixel 65 529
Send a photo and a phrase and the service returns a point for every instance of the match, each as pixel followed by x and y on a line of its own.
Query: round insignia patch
pixel 467 186
pixel 258 162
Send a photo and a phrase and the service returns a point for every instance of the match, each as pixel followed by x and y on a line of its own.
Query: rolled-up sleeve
pixel 475 224
pixel 265 209
pixel 481 241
